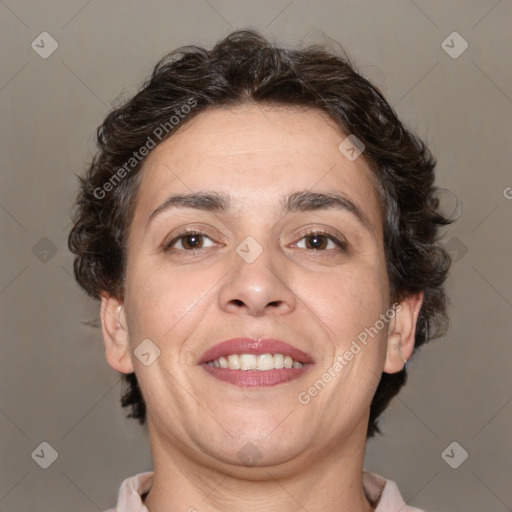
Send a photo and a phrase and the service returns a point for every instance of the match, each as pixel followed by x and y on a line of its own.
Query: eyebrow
pixel 301 201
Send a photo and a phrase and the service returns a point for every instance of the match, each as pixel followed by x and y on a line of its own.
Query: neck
pixel 331 480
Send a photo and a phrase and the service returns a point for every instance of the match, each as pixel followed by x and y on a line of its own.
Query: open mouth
pixel 258 362
pixel 252 362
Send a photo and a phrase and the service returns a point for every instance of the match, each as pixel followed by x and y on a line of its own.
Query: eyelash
pixel 342 245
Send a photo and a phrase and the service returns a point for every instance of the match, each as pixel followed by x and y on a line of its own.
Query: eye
pixel 189 241
pixel 319 241
pixel 316 240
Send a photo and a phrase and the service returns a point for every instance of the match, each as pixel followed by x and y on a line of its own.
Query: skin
pixel 318 300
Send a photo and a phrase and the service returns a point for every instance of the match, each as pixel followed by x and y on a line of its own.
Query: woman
pixel 262 234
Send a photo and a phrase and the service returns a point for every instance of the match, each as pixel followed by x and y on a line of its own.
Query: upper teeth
pixel 255 362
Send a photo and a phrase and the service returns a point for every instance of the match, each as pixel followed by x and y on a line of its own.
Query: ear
pixel 402 331
pixel 115 334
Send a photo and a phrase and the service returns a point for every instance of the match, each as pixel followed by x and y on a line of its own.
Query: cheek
pixel 158 300
pixel 347 301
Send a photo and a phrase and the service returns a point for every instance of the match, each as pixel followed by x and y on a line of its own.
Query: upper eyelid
pixel 183 234
pixel 338 240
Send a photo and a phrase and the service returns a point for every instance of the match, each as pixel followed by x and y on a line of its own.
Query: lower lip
pixel 255 378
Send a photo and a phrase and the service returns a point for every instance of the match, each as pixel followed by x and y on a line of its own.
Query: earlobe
pixel 115 334
pixel 402 333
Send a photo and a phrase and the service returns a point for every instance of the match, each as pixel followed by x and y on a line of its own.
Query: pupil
pixel 316 241
pixel 193 237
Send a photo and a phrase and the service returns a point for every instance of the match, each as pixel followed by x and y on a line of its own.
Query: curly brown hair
pixel 246 67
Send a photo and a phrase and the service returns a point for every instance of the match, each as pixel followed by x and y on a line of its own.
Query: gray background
pixel 55 384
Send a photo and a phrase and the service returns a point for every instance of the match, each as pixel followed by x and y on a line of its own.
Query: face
pixel 275 263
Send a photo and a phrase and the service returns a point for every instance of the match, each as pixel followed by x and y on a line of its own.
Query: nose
pixel 259 287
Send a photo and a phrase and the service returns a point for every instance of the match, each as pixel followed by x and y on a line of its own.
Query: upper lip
pixel 254 346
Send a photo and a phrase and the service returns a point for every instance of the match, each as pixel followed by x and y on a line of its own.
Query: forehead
pixel 254 154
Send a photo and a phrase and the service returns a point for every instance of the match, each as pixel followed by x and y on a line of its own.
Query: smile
pixel 261 362
pixel 252 362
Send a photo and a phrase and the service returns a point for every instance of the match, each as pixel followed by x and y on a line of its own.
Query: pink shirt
pixel 382 493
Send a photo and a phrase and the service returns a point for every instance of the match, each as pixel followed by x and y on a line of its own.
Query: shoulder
pixel 384 494
pixel 129 497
